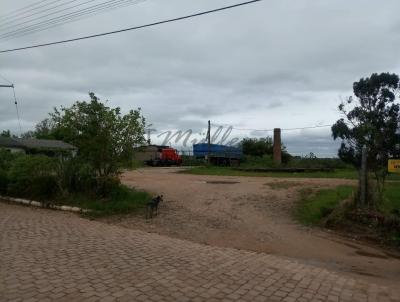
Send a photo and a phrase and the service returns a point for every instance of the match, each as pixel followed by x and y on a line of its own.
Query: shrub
pixel 3 181
pixel 314 162
pixel 6 159
pixel 106 185
pixel 121 200
pixel 33 177
pixel 75 175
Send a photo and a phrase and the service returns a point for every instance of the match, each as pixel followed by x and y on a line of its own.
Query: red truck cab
pixel 170 155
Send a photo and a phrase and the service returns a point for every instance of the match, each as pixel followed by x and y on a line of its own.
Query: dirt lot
pixel 253 213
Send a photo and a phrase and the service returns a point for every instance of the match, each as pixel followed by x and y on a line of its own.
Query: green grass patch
pixel 314 206
pixel 228 171
pixel 391 202
pixel 122 200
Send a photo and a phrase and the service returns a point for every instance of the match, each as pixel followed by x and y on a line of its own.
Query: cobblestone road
pixel 55 256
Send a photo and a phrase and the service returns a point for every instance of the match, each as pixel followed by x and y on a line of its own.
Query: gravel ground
pixel 253 213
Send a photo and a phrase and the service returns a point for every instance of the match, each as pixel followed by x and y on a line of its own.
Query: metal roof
pixel 33 143
pixel 9 142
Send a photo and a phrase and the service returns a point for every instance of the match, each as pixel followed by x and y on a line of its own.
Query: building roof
pixel 33 143
pixel 9 142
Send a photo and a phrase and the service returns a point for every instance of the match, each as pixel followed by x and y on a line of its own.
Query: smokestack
pixel 277 146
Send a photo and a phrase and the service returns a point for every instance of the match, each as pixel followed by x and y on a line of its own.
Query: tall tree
pixel 262 146
pixel 371 118
pixel 5 133
pixel 257 147
pixel 104 136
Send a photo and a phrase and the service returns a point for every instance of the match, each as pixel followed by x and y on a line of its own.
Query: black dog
pixel 152 206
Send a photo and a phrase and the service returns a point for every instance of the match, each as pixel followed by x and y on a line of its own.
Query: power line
pixel 270 130
pixel 25 9
pixel 16 108
pixel 44 16
pixel 132 28
pixel 4 22
pixel 5 79
pixel 67 18
pixel 310 127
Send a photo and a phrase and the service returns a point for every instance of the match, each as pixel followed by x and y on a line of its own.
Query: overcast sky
pixel 276 63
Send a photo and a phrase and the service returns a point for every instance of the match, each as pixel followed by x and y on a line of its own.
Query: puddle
pixel 367 254
pixel 393 256
pixel 221 182
pixel 359 272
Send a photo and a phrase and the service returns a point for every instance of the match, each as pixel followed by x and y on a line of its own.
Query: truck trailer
pixel 218 154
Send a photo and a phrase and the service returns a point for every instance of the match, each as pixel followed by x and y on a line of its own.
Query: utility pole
pixel 208 140
pixel 209 133
pixel 16 105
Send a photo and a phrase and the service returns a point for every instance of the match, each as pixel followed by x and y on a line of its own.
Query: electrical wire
pixel 132 28
pixel 50 14
pixel 25 9
pixel 5 79
pixel 270 130
pixel 4 22
pixel 16 108
pixel 67 18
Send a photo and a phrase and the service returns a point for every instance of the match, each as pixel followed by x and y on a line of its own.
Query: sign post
pixel 394 165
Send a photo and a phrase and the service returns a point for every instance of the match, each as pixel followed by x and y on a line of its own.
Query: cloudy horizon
pixel 271 64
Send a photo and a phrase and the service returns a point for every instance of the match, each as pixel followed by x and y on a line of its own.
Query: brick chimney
pixel 277 146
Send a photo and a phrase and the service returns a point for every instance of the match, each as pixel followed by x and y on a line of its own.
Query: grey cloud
pixel 271 64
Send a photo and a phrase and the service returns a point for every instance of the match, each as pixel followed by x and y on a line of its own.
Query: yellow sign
pixel 394 165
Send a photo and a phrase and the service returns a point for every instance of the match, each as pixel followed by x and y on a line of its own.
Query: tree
pixel 257 147
pixel 45 129
pixel 371 118
pixel 262 146
pixel 104 136
pixel 5 133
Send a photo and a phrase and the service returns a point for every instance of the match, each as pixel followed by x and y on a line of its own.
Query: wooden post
pixel 363 177
pixel 277 146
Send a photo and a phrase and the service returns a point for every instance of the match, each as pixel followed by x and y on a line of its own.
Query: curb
pixel 45 205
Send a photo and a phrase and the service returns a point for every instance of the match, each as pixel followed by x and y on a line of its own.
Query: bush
pixel 258 161
pixel 121 200
pixel 33 177
pixel 75 175
pixel 3 181
pixel 257 147
pixel 6 159
pixel 192 161
pixel 314 162
pixel 105 185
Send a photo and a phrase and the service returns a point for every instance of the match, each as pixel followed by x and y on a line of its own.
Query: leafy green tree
pixel 257 147
pixel 45 129
pixel 371 118
pixel 5 133
pixel 262 146
pixel 104 136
